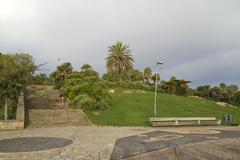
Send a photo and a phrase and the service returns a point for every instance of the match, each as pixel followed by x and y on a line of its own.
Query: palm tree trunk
pixel 6 109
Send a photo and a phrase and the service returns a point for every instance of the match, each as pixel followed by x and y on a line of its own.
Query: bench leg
pixel 176 123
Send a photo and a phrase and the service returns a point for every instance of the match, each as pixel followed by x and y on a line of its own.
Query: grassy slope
pixel 134 109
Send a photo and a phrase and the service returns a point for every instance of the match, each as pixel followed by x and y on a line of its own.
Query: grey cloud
pixel 198 40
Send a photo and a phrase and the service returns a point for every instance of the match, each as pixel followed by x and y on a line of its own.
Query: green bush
pixel 124 84
pixel 110 84
pixel 138 85
pixel 41 79
pixel 128 85
pixel 85 102
pixel 87 91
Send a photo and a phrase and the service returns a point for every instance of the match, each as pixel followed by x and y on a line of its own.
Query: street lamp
pixel 59 61
pixel 156 83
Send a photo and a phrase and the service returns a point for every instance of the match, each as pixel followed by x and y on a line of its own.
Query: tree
pixel 173 78
pixel 136 75
pixel 6 69
pixel 237 98
pixel 16 73
pixel 148 74
pixel 222 93
pixel 59 75
pixel 203 91
pixel 41 79
pixel 154 78
pixel 110 76
pixel 86 67
pixel 232 90
pixel 223 86
pixel 176 86
pixel 216 93
pixel 119 58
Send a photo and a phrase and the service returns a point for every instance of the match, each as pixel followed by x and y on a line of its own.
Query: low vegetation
pixel 86 90
pixel 222 93
pixel 134 107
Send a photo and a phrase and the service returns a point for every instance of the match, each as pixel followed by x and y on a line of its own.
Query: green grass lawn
pixel 134 109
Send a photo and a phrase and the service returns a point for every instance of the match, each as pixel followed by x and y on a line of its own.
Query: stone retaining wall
pixel 17 123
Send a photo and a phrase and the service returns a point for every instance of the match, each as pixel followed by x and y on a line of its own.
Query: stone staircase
pixel 43 110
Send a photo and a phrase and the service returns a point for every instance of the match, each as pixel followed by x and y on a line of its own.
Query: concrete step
pixel 44 125
pixel 43 110
pixel 48 107
pixel 54 117
pixel 43 104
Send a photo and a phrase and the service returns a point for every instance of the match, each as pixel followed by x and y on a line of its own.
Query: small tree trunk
pixel 6 110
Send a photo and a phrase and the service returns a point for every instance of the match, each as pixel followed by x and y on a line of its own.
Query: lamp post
pixel 59 61
pixel 156 84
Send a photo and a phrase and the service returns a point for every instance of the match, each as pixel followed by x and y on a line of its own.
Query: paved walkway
pixel 93 143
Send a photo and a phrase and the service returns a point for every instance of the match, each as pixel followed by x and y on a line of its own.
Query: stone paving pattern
pixel 29 144
pixel 89 143
pixel 146 143
pixel 93 143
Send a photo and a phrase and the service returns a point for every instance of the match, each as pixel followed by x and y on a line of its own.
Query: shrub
pixel 128 84
pixel 87 91
pixel 86 102
pixel 138 85
pixel 124 84
pixel 110 84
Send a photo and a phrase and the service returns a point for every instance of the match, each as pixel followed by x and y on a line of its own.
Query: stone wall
pixel 17 123
pixel 20 117
pixel 11 124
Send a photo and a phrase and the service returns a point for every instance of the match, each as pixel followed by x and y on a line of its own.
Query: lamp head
pixel 159 62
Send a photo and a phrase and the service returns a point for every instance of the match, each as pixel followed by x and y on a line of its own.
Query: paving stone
pixel 88 141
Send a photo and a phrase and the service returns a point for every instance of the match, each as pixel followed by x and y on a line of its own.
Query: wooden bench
pixel 184 121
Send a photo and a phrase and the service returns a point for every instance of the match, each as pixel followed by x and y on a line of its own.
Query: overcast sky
pixel 198 40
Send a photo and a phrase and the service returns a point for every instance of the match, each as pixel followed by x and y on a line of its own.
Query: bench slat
pixel 183 121
pixel 155 119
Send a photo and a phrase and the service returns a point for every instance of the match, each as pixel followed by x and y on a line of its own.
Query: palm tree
pixel 119 58
pixel 148 74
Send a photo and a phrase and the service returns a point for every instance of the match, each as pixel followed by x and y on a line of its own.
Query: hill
pixel 134 107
